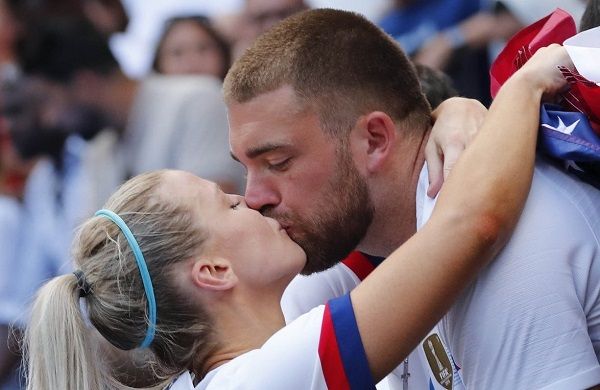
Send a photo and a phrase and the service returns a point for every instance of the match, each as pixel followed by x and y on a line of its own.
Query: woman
pixel 193 278
pixel 191 45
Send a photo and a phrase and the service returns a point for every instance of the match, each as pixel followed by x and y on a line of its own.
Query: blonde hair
pixel 60 350
pixel 339 64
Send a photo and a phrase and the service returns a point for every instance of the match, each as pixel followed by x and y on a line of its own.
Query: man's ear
pixel 376 133
pixel 214 274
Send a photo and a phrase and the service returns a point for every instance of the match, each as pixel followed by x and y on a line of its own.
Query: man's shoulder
pixel 558 197
pixel 307 292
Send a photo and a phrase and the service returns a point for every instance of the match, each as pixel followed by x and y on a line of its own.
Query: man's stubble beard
pixel 338 222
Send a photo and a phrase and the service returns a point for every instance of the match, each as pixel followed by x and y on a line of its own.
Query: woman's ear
pixel 214 274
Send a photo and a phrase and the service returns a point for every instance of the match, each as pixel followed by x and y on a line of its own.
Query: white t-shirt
pixel 532 318
pixel 320 350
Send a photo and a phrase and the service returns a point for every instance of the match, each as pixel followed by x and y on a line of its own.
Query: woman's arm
pixel 476 211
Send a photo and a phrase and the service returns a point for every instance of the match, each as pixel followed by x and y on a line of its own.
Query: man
pixel 327 117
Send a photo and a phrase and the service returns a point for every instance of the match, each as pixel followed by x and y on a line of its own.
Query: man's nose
pixel 260 195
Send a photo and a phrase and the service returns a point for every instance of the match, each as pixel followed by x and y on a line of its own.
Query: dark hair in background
pixel 435 84
pixel 204 23
pixel 58 48
pixel 591 16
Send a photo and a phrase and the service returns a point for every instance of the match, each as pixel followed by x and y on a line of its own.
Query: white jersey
pixel 532 318
pixel 320 350
pixel 417 372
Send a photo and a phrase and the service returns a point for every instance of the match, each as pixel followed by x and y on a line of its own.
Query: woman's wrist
pixel 527 82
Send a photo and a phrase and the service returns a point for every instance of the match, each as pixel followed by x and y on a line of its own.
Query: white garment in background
pixel 180 122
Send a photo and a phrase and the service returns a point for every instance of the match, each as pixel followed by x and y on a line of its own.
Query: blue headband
pixel 141 263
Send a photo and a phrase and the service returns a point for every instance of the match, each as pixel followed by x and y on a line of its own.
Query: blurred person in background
pixel 435 84
pixel 13 171
pixel 36 174
pixel 264 14
pixel 10 31
pixel 191 45
pixel 160 122
pixel 33 243
pixel 490 27
pixel 413 23
pixel 256 17
pixel 107 16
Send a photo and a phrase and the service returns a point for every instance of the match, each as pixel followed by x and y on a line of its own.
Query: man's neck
pixel 395 219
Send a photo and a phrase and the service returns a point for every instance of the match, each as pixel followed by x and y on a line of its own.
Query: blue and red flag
pixel 569 131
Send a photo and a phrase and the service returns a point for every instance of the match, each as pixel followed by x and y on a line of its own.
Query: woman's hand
pixel 541 71
pixel 456 121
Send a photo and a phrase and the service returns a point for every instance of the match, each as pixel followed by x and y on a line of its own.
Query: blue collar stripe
pixel 141 263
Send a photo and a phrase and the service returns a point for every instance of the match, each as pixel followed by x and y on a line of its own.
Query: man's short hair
pixel 339 64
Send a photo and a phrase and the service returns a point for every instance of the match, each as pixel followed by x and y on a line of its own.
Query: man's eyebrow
pixel 260 150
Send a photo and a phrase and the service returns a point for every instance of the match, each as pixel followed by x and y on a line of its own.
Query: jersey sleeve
pixel 319 350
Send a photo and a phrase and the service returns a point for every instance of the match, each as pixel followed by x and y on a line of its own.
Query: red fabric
pixel 359 264
pixel 554 28
pixel 329 355
pixel 583 96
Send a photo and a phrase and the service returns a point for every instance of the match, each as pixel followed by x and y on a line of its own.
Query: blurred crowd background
pixel 95 91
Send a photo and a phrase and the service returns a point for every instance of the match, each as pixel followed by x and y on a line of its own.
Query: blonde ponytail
pixel 57 345
pixel 61 352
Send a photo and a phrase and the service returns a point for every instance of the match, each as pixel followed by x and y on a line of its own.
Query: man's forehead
pixel 281 100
